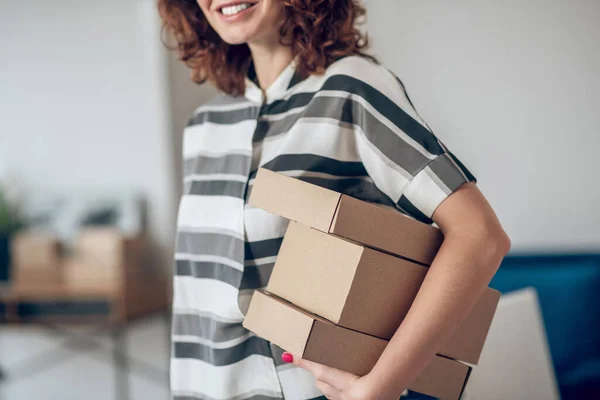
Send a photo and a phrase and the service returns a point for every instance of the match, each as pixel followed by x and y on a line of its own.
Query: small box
pixel 81 274
pixel 341 215
pixel 35 251
pixel 318 340
pixel 35 259
pixel 108 248
pixel 364 289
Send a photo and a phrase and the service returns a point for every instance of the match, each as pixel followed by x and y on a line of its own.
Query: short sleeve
pixel 403 157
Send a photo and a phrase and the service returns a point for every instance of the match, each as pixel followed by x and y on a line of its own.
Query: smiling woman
pixel 301 97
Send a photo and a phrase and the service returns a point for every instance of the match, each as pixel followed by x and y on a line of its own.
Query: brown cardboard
pixel 363 289
pixel 318 340
pixel 351 285
pixel 104 256
pixel 80 273
pixel 35 251
pixel 341 215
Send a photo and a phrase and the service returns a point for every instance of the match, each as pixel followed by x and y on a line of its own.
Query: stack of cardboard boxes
pixel 345 277
pixel 102 258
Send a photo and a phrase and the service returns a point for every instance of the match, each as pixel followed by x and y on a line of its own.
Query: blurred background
pixel 92 111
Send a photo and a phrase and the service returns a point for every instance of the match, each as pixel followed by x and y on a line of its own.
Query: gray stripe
pixel 205 328
pixel 256 276
pixel 215 188
pixel 344 111
pixel 257 394
pixel 209 270
pixel 213 244
pixel 204 314
pixel 219 357
pixel 224 117
pixel 235 164
pixel 223 99
pixel 448 172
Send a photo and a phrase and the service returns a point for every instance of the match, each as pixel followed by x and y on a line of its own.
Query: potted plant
pixel 9 224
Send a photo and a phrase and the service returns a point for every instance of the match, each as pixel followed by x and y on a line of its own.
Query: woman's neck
pixel 269 59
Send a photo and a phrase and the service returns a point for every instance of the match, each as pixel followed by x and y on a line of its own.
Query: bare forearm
pixel 460 272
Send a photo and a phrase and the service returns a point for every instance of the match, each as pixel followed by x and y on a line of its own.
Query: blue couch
pixel 569 293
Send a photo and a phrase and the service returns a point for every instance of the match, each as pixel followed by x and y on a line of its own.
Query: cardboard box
pixel 318 340
pixel 364 289
pixel 35 251
pixel 104 257
pixel 341 215
pixel 80 274
pixel 110 249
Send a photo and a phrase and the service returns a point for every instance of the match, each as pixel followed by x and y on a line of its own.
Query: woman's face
pixel 244 21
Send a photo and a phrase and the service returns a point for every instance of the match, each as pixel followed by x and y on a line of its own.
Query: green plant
pixel 9 217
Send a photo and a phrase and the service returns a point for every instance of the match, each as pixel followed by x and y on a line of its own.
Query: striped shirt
pixel 353 130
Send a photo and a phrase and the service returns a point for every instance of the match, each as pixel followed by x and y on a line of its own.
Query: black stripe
pixel 256 276
pixel 464 169
pixel 388 108
pixel 220 357
pixel 215 188
pixel 410 209
pixel 215 244
pixel 378 100
pixel 262 248
pixel 209 270
pixel 281 106
pixel 357 188
pixel 256 397
pixel 347 112
pixel 229 164
pixel 206 328
pixel 314 163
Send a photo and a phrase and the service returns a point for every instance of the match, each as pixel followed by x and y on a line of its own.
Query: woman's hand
pixel 340 385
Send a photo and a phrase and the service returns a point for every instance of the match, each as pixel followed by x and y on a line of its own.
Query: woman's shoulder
pixel 355 66
pixel 366 78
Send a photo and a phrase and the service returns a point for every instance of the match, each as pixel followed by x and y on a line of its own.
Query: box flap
pixel 274 320
pixel 294 199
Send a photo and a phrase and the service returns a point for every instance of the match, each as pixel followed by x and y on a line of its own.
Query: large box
pixel 364 289
pixel 345 216
pixel 315 339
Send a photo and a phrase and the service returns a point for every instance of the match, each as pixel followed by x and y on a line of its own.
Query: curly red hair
pixel 321 31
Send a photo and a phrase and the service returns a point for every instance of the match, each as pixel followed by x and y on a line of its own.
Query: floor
pixel 83 372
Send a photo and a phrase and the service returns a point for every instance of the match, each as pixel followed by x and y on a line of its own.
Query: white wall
pixel 514 88
pixel 84 100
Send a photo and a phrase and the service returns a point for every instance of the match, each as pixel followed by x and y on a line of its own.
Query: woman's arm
pixel 474 245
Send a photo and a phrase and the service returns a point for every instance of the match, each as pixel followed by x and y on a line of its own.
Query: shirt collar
pixel 286 79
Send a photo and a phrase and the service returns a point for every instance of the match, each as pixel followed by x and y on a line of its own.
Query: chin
pixel 234 38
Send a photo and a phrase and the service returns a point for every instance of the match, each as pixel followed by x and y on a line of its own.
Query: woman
pixel 301 97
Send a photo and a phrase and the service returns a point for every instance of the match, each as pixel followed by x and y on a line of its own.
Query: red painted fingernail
pixel 287 358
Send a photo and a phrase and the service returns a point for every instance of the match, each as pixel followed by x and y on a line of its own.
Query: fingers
pixel 336 378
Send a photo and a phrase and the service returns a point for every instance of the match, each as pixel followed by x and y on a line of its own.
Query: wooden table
pixel 125 304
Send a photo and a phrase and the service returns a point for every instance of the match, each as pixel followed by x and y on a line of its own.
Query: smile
pixel 235 9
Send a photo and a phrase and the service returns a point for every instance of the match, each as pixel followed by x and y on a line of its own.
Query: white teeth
pixel 232 10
